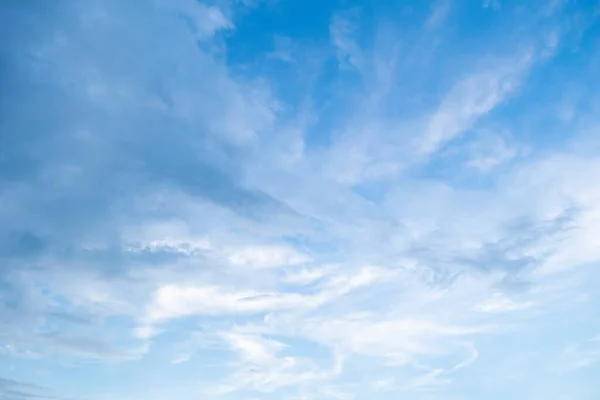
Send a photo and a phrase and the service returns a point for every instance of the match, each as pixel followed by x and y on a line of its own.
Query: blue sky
pixel 299 200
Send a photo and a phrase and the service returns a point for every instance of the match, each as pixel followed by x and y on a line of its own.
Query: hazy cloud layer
pixel 283 200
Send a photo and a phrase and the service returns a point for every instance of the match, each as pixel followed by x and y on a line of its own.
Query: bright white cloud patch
pixel 282 200
pixel 267 256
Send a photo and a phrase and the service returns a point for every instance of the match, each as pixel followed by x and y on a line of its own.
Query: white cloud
pixel 490 150
pixel 401 341
pixel 472 98
pixel 261 368
pixel 267 257
pixel 253 348
pixel 344 31
pixel 384 384
pixel 498 303
pixel 579 355
pixel 305 276
pixel 205 20
pixel 284 372
pixel 440 11
pixel 215 181
pixel 176 301
pixel 146 332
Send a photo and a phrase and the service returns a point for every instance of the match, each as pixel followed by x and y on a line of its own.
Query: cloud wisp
pixel 253 199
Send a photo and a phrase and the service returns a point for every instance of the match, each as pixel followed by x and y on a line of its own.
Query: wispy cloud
pixel 176 301
pixel 579 355
pixel 15 390
pixel 472 98
pixel 438 15
pixel 344 34
pixel 244 201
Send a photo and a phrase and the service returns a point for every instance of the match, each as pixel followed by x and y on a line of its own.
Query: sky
pixel 299 199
